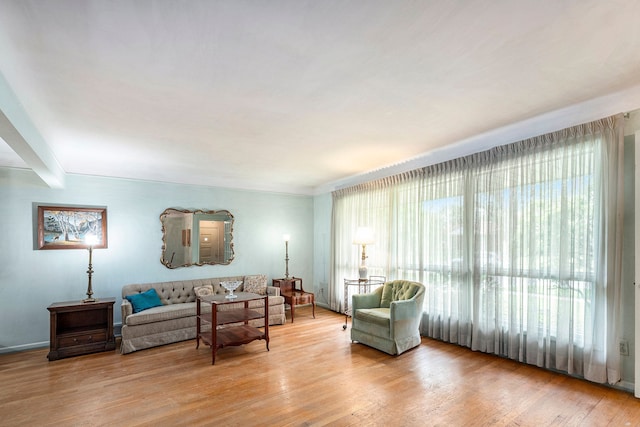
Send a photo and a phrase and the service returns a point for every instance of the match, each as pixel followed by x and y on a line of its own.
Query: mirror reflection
pixel 196 237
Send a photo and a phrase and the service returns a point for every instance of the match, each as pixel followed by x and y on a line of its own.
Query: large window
pixel 516 247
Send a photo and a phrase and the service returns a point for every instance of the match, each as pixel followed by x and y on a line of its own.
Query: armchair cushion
pixel 378 316
pixel 398 290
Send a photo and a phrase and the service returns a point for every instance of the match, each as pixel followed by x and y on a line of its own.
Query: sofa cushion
pixel 166 312
pixel 144 301
pixel 256 284
pixel 203 291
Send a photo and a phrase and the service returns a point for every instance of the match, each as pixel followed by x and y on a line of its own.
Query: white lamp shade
pixel 364 236
pixel 286 237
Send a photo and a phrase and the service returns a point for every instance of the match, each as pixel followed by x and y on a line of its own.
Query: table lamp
pixel 286 238
pixel 90 240
pixel 364 237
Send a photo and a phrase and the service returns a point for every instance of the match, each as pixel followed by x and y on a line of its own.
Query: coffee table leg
pixel 214 332
pixel 266 321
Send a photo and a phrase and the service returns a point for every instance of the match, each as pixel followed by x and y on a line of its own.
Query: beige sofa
pixel 175 320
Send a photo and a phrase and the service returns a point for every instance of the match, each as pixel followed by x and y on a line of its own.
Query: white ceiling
pixel 300 95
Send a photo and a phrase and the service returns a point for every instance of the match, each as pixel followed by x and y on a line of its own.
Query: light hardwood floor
pixel 313 375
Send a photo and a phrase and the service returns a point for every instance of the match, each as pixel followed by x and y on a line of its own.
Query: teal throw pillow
pixel 145 300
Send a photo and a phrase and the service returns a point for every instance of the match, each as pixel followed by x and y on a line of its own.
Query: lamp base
pixel 363 273
pixel 90 300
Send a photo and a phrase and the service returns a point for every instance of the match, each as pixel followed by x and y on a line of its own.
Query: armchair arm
pixel 365 301
pixel 127 310
pixel 404 309
pixel 405 316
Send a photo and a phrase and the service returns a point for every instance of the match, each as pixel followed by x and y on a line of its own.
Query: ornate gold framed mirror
pixel 196 237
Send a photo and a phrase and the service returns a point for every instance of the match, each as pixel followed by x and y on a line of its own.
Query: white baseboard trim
pixel 117 332
pixel 625 385
pixel 24 347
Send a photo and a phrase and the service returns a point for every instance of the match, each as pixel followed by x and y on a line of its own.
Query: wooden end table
pixel 293 293
pixel 78 328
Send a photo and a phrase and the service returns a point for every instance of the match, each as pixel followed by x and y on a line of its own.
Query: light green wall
pixel 31 279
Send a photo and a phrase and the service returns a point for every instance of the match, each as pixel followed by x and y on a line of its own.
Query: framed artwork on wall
pixel 66 227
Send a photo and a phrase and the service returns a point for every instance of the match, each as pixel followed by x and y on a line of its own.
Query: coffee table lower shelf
pixel 232 336
pixel 235 335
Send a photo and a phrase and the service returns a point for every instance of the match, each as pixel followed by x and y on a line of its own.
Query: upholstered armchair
pixel 388 319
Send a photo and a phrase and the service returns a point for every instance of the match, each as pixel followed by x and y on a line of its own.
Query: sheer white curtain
pixel 446 251
pixel 361 206
pixel 539 235
pixel 518 247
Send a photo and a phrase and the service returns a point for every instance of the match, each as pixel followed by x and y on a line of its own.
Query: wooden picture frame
pixel 65 227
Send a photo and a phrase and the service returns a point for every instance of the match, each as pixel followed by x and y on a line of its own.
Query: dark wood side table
pixel 78 328
pixel 293 293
